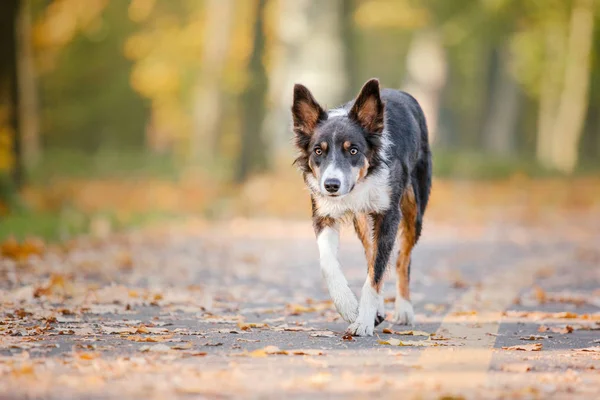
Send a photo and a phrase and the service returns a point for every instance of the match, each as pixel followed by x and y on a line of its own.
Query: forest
pixel 109 107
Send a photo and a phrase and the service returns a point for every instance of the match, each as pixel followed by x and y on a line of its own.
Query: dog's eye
pixel 353 151
pixel 318 151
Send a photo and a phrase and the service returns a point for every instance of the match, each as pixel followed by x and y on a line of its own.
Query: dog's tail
pixel 422 173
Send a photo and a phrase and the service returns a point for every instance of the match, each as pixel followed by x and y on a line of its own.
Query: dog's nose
pixel 332 185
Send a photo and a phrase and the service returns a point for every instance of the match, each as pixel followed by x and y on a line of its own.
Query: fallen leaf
pixel 113 330
pixel 87 355
pixel 595 349
pixel 157 348
pixel 246 326
pixel 414 343
pixel 564 330
pixel 535 337
pixel 286 327
pixel 463 313
pixel 148 339
pixel 328 334
pixel 516 367
pixel 348 337
pixel 413 333
pixel 525 347
pixel 21 251
pixel 565 314
pixel 406 333
pixel 306 352
pixel 183 346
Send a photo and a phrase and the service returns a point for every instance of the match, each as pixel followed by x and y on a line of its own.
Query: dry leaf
pixel 87 355
pixel 157 348
pixel 306 352
pixel 113 330
pixel 286 327
pixel 464 313
pixel 414 343
pixel 148 339
pixel 595 349
pixel 525 347
pixel 406 333
pixel 348 337
pixel 328 334
pixel 565 314
pixel 183 346
pixel 413 333
pixel 246 326
pixel 535 337
pixel 517 367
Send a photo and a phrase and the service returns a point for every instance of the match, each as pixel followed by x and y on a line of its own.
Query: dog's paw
pixel 347 305
pixel 380 316
pixel 360 328
pixel 403 313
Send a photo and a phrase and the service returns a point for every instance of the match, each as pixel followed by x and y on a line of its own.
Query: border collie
pixel 368 162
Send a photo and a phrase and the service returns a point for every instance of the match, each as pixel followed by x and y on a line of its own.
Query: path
pixel 240 310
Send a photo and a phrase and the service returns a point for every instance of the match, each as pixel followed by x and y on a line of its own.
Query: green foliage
pixel 87 99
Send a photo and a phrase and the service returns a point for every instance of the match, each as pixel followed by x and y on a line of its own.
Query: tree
pixel 28 108
pixel 253 152
pixel 10 148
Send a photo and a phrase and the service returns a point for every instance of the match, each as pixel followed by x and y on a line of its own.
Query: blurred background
pixel 115 113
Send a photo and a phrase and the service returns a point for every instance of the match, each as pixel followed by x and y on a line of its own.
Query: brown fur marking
pixel 324 146
pixel 310 117
pixel 363 231
pixel 363 171
pixel 408 205
pixel 347 145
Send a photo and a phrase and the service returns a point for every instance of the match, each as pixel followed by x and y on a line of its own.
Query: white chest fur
pixel 370 195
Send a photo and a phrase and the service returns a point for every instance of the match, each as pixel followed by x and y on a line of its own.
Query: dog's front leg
pixel 328 239
pixel 385 229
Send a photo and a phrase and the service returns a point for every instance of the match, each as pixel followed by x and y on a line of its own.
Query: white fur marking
pixel 369 303
pixel 404 313
pixel 370 195
pixel 343 298
pixel 337 112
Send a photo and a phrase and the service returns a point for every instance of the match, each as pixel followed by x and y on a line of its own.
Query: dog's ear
pixel 306 112
pixel 368 109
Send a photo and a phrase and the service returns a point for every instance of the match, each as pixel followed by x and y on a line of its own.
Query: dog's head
pixel 342 147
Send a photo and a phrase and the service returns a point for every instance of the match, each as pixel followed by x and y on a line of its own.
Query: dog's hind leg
pixel 363 225
pixel 404 313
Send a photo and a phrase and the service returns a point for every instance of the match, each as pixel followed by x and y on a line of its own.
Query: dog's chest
pixel 372 195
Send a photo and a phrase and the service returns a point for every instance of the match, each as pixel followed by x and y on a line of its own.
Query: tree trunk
pixel 574 98
pixel 426 75
pixel 9 93
pixel 208 98
pixel 317 63
pixel 253 152
pixel 549 92
pixel 348 37
pixel 28 107
pixel 501 122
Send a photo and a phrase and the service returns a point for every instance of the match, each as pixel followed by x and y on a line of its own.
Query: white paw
pixel 346 304
pixel 361 328
pixel 403 313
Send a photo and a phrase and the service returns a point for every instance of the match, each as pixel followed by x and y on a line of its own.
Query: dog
pixel 368 162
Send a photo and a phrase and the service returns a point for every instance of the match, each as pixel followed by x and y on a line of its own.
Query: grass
pixel 106 163
pixel 53 227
